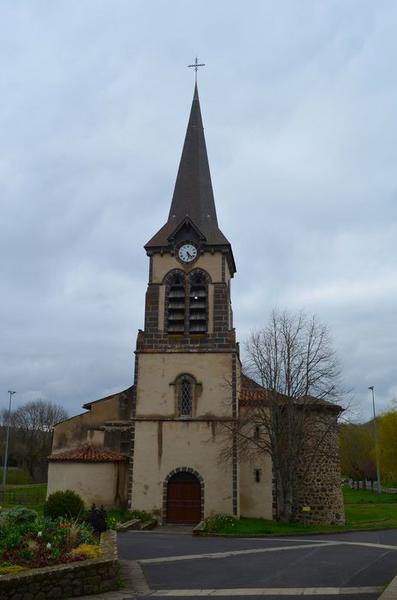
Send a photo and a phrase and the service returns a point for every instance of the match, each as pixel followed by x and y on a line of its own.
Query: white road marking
pixel 369 545
pixel 344 542
pixel 301 544
pixel 228 554
pixel 313 591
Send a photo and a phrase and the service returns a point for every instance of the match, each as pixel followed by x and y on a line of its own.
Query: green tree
pixel 357 452
pixel 387 430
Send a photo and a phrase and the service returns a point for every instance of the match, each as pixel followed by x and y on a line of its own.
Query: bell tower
pixel 191 262
pixel 187 366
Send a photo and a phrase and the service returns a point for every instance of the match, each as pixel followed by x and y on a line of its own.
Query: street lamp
pixel 371 387
pixel 7 441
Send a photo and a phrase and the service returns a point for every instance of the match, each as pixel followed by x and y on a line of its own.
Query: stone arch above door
pixel 191 475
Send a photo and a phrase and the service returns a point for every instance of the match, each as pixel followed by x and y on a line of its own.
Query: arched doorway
pixel 183 498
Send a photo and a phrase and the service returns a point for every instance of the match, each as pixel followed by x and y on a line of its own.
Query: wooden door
pixel 183 499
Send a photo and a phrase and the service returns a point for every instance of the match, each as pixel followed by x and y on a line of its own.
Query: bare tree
pixel 287 405
pixel 32 425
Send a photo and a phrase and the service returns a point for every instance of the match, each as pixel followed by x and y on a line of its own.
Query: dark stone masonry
pixel 66 581
pixel 319 488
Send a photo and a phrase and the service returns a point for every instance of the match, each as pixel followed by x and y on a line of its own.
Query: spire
pixel 193 198
pixel 193 195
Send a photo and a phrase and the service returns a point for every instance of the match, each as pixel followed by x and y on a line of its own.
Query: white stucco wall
pixel 158 372
pixel 162 447
pixel 256 499
pixel 96 483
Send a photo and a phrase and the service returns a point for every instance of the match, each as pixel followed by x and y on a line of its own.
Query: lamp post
pixel 371 387
pixel 7 441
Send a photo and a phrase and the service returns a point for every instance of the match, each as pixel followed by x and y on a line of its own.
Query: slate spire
pixel 193 197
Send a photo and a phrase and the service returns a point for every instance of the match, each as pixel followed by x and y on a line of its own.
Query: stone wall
pixel 66 581
pixel 318 497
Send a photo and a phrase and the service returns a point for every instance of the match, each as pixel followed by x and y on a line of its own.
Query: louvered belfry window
pixel 198 303
pixel 185 396
pixel 187 302
pixel 176 304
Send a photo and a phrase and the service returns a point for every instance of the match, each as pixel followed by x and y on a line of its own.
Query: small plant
pixel 120 581
pixel 97 519
pixel 10 569
pixel 116 517
pixel 10 537
pixel 142 515
pixel 87 551
pixel 64 504
pixel 218 523
pixel 76 532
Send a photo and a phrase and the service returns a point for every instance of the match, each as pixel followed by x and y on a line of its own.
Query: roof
pixel 193 195
pixel 87 453
pixel 128 392
pixel 251 393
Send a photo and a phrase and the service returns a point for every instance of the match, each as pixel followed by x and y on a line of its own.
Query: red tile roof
pixel 251 393
pixel 88 454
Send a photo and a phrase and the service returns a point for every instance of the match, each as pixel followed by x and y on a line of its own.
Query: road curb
pixel 390 592
pixel 289 534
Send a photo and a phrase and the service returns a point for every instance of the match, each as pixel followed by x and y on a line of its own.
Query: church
pixel 156 446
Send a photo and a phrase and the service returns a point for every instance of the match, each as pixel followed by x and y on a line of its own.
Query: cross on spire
pixel 196 65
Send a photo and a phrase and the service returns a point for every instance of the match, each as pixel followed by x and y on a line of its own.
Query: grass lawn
pixel 364 510
pixel 32 496
pixel 16 476
pixel 367 497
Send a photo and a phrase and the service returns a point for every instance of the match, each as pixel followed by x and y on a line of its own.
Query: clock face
pixel 187 253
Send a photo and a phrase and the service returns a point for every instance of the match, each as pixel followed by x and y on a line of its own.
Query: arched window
pixel 198 309
pixel 185 392
pixel 176 305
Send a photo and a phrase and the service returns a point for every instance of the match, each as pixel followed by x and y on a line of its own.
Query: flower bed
pixel 66 580
pixel 56 556
pixel 28 541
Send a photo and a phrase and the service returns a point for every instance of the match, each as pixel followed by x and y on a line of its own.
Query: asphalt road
pixel 352 565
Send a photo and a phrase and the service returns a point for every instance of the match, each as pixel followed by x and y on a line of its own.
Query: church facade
pixel 157 446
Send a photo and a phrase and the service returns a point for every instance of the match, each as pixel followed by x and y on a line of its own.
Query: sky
pixel 299 106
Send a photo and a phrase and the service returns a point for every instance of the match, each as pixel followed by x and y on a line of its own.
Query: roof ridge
pixel 87 453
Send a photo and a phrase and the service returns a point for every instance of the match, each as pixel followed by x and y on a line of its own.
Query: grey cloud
pixel 299 104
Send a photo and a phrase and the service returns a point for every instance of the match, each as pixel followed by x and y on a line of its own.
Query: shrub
pixel 64 504
pixel 18 515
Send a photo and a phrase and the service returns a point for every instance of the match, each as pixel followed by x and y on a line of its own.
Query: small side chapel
pixel 156 445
